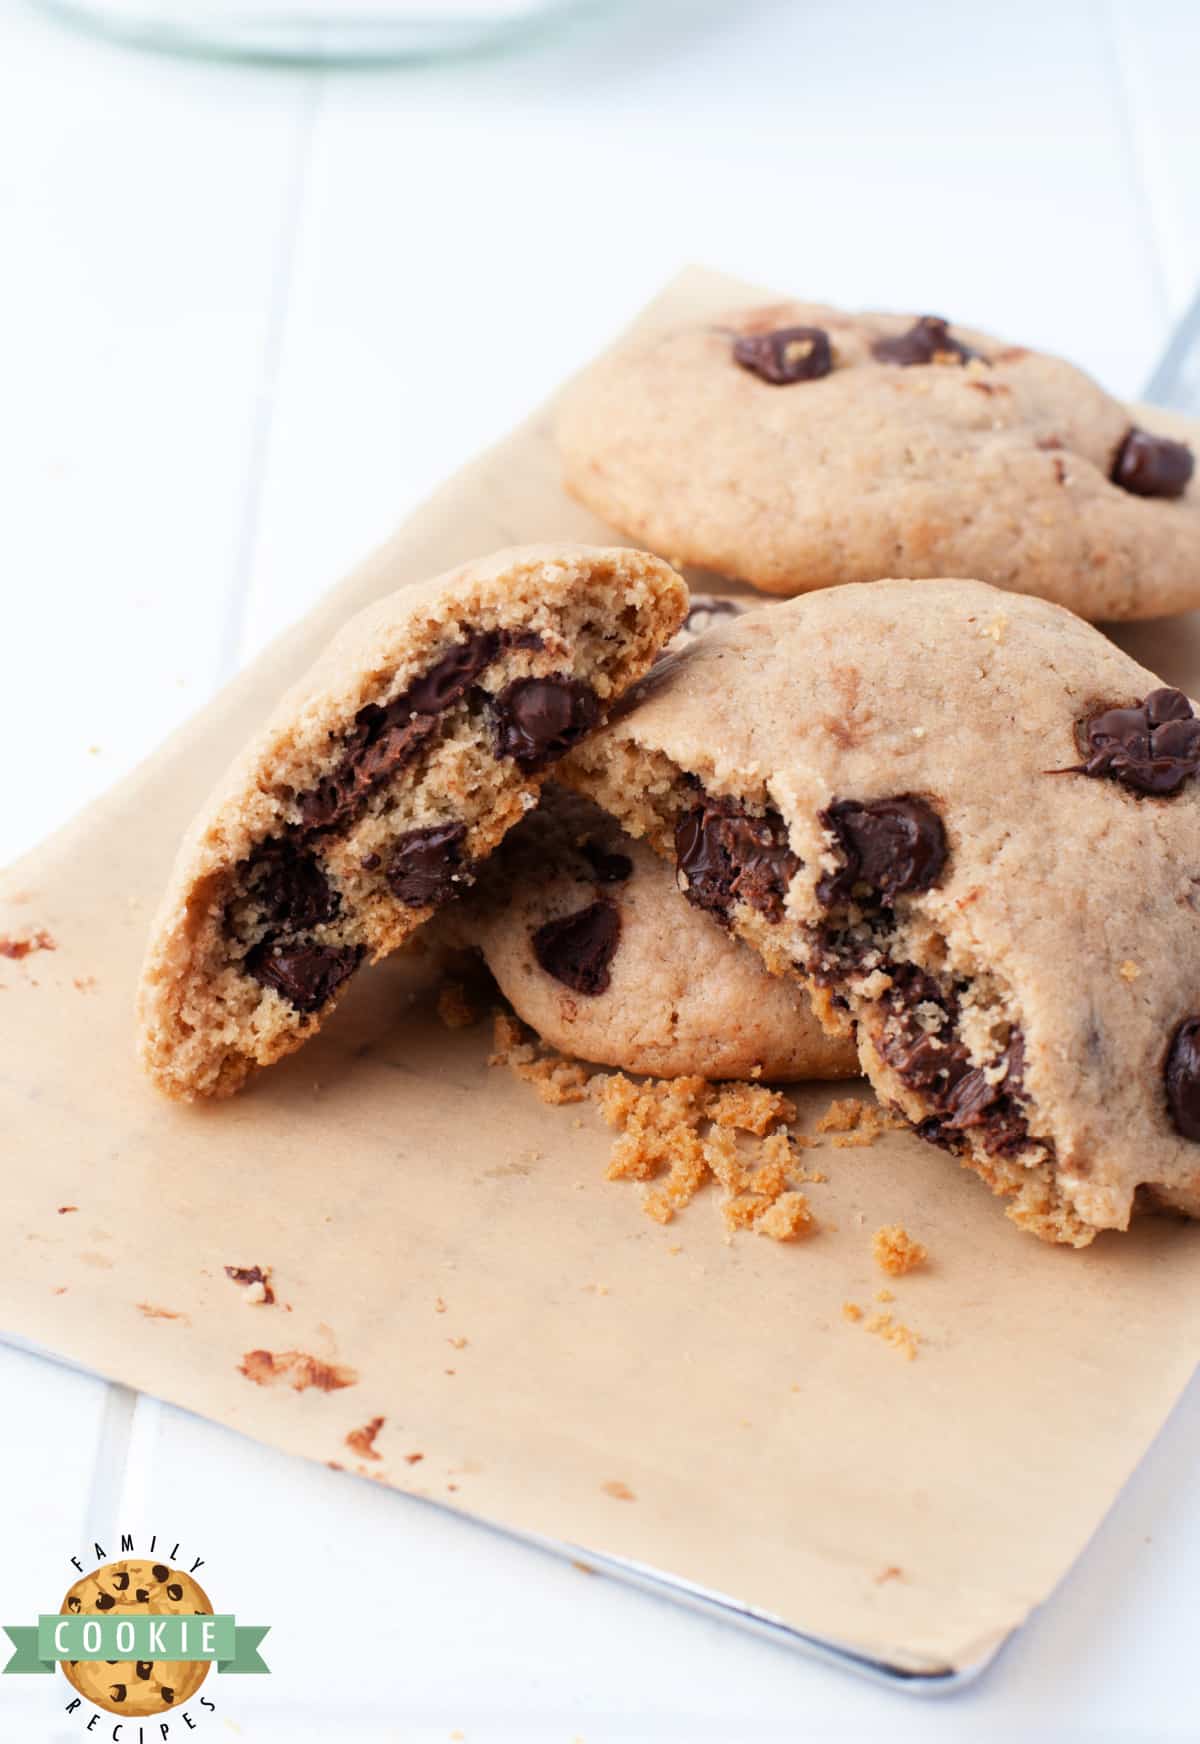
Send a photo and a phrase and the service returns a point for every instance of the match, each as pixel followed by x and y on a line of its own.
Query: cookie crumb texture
pixel 896 1252
pixel 796 447
pixel 127 1589
pixel 929 828
pixel 380 783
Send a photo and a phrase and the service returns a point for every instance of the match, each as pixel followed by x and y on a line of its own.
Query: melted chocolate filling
pixel 727 855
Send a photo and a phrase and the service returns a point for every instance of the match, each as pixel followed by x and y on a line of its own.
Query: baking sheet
pixel 672 1398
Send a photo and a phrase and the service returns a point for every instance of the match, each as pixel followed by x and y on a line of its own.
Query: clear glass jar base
pixel 312 35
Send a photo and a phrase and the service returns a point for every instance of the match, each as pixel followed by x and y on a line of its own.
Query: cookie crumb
pixel 153 1312
pixel 454 1007
pixel 555 1078
pixel 301 1371
pixel 852 1311
pixel 439 1306
pixel 1129 970
pixel 84 983
pixel 885 1295
pixel 413 1458
pixel 63 1209
pixel 855 1124
pixel 17 948
pixel 895 1250
pixel 900 1337
pixel 890 1573
pixel 256 1280
pixel 458 1343
pixel 362 1441
pixel 619 1491
pixel 786 1219
pixel 751 1108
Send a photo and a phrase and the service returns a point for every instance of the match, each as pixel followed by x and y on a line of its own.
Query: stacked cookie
pixel 942 832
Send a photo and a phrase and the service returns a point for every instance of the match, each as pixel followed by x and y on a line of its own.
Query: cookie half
pixel 798 447
pixel 377 786
pixel 973 826
pixel 592 944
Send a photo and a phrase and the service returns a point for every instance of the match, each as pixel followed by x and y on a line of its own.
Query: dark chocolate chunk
pixel 306 975
pixel 578 949
pixel 789 354
pixel 74 1603
pixel 929 340
pixel 728 855
pixel 936 1065
pixel 121 1580
pixel 371 862
pixel 891 845
pixel 538 720
pixel 1183 1078
pixel 1151 747
pixel 454 674
pixel 705 607
pixel 116 1690
pixel 167 1694
pixel 427 864
pixel 105 1602
pixel 1152 466
pixel 386 737
pixel 160 1571
pixel 142 1594
pixel 174 1591
pixel 143 1668
pixel 608 867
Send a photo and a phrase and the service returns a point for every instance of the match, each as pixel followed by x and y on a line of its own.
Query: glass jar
pixel 300 30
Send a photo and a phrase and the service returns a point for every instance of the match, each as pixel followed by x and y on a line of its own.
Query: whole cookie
pixel 798 447
pixel 126 1589
pixel 592 944
pixel 973 825
pixel 378 785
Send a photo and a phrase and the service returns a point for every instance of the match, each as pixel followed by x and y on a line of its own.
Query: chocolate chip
pixel 167 1694
pixel 705 607
pixel 450 678
pixel 538 720
pixel 174 1591
pixel 383 741
pixel 288 886
pixel 143 1668
pixel 891 845
pixel 1151 747
pixel 142 1594
pixel 789 354
pixel 929 340
pixel 121 1581
pixel 306 975
pixel 74 1603
pixel 727 855
pixel 1183 1078
pixel 160 1571
pixel 105 1602
pixel 578 949
pixel 116 1690
pixel 426 865
pixel 608 867
pixel 1152 466
pixel 371 862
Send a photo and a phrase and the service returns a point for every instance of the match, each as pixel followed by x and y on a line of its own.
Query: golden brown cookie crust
pixel 998 469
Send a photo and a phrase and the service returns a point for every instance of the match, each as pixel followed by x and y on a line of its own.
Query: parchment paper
pixel 666 1394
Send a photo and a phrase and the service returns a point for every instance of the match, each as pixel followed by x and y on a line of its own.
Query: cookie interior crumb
pixel 895 1250
pixel 455 1008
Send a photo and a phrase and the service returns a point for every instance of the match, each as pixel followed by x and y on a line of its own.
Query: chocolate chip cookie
pixel 593 946
pixel 127 1589
pixel 973 826
pixel 377 786
pixel 797 447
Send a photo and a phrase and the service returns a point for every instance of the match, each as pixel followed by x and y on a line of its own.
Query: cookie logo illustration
pixel 137 1589
pixel 137 1637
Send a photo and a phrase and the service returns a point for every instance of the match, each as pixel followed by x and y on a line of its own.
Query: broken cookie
pixel 384 778
pixel 960 816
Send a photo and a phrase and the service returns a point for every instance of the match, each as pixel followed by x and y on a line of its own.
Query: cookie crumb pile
pixel 896 1252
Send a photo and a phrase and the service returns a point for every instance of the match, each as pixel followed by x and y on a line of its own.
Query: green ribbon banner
pixel 85 1636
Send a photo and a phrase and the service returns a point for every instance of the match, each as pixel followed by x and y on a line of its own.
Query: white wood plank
pixel 475 230
pixel 146 206
pixel 1158 50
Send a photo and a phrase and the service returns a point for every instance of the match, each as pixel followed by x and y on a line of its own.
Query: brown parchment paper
pixel 670 1395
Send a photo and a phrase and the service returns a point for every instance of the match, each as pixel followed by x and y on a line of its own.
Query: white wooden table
pixel 248 318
